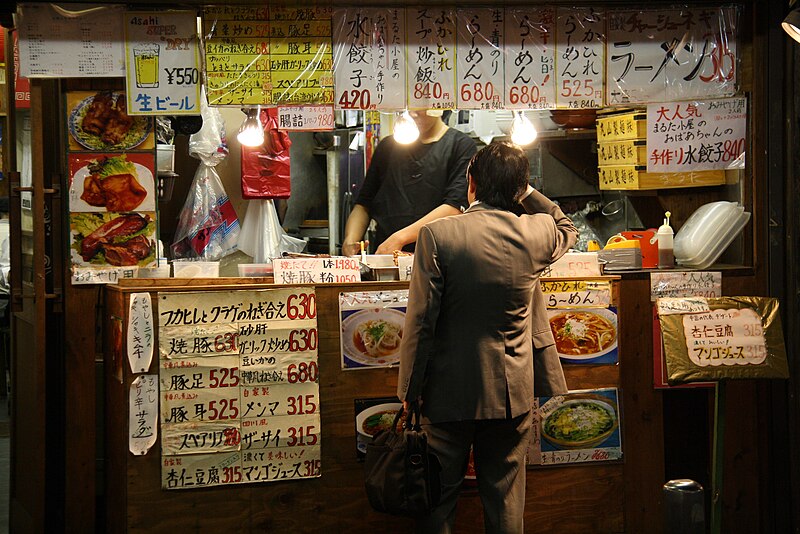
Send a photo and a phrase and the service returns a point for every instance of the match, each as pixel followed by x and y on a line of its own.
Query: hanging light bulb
pixel 405 129
pixel 251 133
pixel 522 131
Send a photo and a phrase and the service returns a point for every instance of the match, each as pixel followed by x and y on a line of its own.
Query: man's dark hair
pixel 500 172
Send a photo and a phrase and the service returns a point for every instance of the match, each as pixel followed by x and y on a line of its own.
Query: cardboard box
pixel 615 177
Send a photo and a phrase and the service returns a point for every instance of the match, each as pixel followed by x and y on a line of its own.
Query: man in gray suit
pixel 467 351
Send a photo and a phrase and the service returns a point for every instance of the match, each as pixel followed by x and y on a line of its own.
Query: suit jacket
pixel 467 342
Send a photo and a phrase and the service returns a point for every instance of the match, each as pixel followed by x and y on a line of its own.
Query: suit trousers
pixel 499 447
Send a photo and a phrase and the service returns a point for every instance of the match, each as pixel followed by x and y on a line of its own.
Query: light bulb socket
pixel 251 132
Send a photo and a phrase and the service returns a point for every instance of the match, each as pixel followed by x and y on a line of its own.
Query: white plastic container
pixel 165 158
pixel 162 271
pixel 255 269
pixel 195 269
pixel 708 232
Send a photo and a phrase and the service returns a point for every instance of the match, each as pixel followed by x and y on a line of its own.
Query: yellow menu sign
pixel 268 55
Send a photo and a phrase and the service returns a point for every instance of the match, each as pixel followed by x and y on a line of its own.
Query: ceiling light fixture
pixel 251 132
pixel 522 131
pixel 791 24
pixel 405 129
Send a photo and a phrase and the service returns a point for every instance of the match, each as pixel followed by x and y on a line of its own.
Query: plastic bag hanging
pixel 208 227
pixel 262 236
pixel 265 169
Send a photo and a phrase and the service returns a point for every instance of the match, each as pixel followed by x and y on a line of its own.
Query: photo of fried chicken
pixel 112 183
pixel 107 118
pixel 101 121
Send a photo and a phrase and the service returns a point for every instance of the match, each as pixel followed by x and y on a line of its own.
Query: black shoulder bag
pixel 401 473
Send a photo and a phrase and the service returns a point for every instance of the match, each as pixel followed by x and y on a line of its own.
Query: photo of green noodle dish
pixel 581 423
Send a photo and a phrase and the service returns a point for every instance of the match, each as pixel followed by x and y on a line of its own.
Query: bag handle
pixel 414 414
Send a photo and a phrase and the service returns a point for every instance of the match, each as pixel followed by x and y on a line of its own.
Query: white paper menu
pixel 80 41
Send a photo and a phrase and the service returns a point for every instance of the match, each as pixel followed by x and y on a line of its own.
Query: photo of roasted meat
pixel 98 114
pixel 116 228
pixel 130 252
pixel 118 192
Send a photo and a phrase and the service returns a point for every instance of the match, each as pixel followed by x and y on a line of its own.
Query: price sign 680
pixel 478 92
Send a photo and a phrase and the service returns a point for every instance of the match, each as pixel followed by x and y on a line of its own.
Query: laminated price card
pixel 239 387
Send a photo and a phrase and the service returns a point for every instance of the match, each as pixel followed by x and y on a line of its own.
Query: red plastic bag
pixel 265 169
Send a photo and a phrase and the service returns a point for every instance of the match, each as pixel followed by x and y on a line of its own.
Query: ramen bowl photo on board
pixel 586 335
pixel 371 337
pixel 581 422
pixel 377 418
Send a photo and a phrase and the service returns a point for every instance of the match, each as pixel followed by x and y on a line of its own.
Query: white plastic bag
pixel 208 227
pixel 262 236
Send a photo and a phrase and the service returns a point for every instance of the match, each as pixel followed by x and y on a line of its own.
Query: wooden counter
pixel 600 497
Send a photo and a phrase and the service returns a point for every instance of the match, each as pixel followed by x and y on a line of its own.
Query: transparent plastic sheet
pixel 276 55
pixel 262 236
pixel 207 226
pixel 164 132
pixel 666 55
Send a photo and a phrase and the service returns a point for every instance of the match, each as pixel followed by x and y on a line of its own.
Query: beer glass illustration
pixel 146 64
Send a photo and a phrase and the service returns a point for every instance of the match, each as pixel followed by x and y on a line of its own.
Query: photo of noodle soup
pixel 372 337
pixel 581 422
pixel 584 334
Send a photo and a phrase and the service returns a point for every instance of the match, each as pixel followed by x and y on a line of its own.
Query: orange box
pixel 649 251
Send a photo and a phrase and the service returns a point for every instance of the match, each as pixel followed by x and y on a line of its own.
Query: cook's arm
pixel 354 230
pixel 407 235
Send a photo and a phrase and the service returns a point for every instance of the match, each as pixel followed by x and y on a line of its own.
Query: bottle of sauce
pixel 666 256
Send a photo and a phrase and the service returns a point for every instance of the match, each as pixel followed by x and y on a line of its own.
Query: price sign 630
pixel 302 306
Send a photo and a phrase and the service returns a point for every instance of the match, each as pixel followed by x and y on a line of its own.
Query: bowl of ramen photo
pixel 373 336
pixel 376 418
pixel 581 422
pixel 584 334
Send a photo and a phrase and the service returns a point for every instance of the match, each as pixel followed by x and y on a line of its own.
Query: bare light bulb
pixel 251 133
pixel 405 129
pixel 522 131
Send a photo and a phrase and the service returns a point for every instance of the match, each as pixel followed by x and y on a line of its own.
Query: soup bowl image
pixel 376 418
pixel 583 334
pixel 581 422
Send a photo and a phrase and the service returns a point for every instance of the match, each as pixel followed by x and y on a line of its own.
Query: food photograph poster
pixel 239 387
pixel 585 335
pixel 371 328
pixel 112 188
pixel 580 426
pixel 374 415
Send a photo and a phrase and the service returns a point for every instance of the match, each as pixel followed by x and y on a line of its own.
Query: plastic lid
pixel 702 242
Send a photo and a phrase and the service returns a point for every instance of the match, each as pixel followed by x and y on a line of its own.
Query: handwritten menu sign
pixel 687 283
pixel 300 55
pixel 311 118
pixel 733 337
pixel 162 63
pixel 316 270
pixel 578 427
pixel 431 44
pixel 576 293
pixel 237 55
pixel 725 337
pixel 480 58
pixel 143 414
pixel 530 37
pixel 239 387
pixel 580 58
pixel 671 54
pixel 59 42
pixel 695 136
pixel 140 332
pixel 369 58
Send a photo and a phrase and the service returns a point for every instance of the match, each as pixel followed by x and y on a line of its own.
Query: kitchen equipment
pixel 621 254
pixel 708 232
